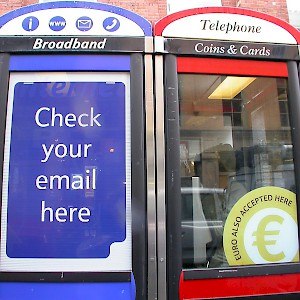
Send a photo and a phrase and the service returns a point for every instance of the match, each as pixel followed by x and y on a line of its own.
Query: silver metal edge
pixel 150 160
pixel 161 185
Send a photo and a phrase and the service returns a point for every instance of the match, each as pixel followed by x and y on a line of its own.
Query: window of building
pixel 294 12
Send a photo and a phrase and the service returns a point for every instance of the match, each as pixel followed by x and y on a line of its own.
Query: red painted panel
pixel 239 286
pixel 231 67
pixel 161 24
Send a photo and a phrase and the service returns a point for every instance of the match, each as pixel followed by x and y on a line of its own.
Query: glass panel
pixel 65 204
pixel 231 142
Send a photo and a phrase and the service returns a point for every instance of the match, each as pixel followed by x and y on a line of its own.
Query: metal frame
pixel 139 236
pixel 151 177
pixel 294 109
pixel 168 178
pixel 171 132
pixel 173 184
pixel 160 180
pixel 4 67
pixel 138 174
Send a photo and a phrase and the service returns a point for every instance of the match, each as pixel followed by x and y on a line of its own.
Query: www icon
pixel 57 23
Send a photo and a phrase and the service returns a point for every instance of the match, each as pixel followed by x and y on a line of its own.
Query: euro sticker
pixel 262 228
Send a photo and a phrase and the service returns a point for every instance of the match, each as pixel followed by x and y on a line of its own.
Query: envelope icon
pixel 84 24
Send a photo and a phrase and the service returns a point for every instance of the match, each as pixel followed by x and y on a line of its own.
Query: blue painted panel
pixel 83 123
pixel 65 291
pixel 69 63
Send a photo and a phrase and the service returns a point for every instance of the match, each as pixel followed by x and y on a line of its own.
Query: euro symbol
pixel 262 243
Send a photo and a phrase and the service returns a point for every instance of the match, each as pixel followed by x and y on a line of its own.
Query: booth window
pixel 235 137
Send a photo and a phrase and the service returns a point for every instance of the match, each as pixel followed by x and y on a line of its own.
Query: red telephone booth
pixel 227 123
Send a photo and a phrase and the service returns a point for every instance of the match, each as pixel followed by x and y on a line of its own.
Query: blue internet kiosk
pixel 72 94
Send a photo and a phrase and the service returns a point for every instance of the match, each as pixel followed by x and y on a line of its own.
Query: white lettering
pixel 70 120
pixel 37 44
pixel 63 214
pixel 73 43
pixel 80 120
pixel 47 152
pixel 228 27
pixel 246 50
pixel 84 212
pixel 44 210
pixel 37 116
pixel 76 182
pixel 201 48
pixel 63 152
pixel 41 181
pixel 74 151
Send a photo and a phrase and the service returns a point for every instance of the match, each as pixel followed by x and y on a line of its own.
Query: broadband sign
pixel 66 184
pixel 74 26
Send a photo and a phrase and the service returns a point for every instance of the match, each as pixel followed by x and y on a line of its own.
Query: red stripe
pixel 164 22
pixel 231 67
pixel 239 286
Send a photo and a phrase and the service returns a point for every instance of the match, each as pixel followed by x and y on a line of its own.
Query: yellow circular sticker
pixel 262 228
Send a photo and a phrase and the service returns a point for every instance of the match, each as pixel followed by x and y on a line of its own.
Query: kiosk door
pixel 237 171
pixel 66 200
pixel 231 102
pixel 231 181
pixel 73 202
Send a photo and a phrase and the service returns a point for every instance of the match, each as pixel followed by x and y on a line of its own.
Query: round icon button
pixel 84 23
pixel 111 24
pixel 30 23
pixel 57 23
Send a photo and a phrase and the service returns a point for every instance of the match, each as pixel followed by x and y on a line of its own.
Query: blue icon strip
pixel 144 24
pixel 69 63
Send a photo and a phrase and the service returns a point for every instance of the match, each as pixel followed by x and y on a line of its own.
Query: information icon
pixel 30 23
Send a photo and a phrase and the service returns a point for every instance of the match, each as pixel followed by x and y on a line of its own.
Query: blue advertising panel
pixel 66 183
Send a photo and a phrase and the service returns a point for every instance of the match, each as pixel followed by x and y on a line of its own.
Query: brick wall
pixel 276 8
pixel 153 10
pixel 229 3
pixel 9 5
pixel 156 9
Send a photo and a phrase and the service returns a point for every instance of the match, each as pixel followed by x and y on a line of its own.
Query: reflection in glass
pixel 229 145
